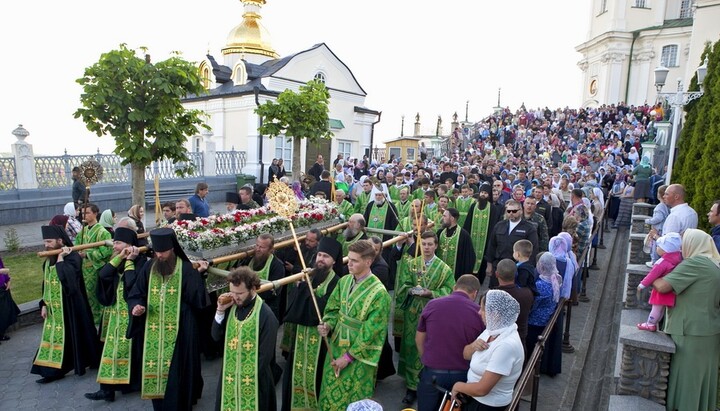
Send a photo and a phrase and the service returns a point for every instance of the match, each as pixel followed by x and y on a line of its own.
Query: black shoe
pixel 410 397
pixel 108 396
pixel 45 380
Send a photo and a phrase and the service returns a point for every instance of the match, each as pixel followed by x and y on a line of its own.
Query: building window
pixel 320 76
pixel 345 148
pixel 284 150
pixel 410 154
pixel 686 9
pixel 196 144
pixel 205 75
pixel 668 58
pixel 641 4
pixel 603 6
pixel 395 152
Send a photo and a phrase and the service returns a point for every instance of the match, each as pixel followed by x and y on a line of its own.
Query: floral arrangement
pixel 239 226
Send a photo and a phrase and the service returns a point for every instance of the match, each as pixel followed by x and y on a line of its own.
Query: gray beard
pixel 349 233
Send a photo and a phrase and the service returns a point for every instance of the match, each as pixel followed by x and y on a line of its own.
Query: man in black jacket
pixel 323 185
pixel 505 234
pixel 317 168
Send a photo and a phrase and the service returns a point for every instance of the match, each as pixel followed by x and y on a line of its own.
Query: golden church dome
pixel 250 36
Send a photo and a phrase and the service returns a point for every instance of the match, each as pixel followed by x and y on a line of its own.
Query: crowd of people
pixel 513 208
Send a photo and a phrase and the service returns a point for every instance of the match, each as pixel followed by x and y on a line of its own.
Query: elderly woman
pixel 496 357
pixel 641 175
pixel 549 286
pixel 73 225
pixel 694 324
pixel 624 216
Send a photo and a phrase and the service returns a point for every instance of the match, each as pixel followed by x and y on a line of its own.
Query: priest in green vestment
pixel 356 323
pixel 423 278
pixel 344 207
pixel 455 247
pixel 381 213
pixel 93 258
pixel 165 303
pixel 362 199
pixel 303 373
pixel 354 232
pixel 480 221
pixel 121 358
pixel 463 203
pixel 403 203
pixel 394 189
pixel 248 328
pixel 69 339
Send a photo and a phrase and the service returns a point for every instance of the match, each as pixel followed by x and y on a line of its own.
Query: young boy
pixel 525 277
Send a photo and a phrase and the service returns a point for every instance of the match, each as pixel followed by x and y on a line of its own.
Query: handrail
pixel 533 365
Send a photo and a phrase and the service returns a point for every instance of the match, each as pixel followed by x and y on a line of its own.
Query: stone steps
pixel 632 402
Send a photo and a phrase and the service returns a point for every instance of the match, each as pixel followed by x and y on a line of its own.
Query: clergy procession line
pixel 418 241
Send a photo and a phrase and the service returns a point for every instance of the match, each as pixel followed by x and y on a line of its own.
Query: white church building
pixel 250 72
pixel 628 39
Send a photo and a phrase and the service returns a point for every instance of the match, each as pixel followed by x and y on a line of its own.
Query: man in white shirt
pixel 681 216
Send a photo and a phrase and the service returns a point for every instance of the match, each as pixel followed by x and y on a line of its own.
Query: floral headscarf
pixel 501 311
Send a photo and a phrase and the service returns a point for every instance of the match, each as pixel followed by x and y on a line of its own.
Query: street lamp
pixel 677 101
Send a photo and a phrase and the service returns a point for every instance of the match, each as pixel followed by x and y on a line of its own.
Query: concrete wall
pixel 23 206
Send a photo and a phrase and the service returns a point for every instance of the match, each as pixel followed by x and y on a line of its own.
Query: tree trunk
pixel 138 184
pixel 296 159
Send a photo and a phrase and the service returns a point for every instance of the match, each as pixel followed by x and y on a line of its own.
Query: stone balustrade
pixel 634 274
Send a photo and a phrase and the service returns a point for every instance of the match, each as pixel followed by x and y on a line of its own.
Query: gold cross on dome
pixel 233 343
pixel 229 378
pixel 247 380
pixel 248 345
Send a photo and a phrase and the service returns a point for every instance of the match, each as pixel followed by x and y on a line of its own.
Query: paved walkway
pixel 18 390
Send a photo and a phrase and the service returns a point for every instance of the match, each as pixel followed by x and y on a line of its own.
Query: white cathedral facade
pixel 628 39
pixel 250 72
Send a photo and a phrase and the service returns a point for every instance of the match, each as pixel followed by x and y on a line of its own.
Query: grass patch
pixel 26 274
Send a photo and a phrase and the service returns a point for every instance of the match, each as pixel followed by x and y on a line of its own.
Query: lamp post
pixel 677 101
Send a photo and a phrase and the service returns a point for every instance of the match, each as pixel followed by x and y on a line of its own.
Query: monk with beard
pixel 165 302
pixel 480 221
pixel 354 232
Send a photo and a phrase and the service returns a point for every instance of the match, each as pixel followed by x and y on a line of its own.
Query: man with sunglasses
pixel 505 234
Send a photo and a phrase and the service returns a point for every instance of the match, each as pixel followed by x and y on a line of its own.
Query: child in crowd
pixel 668 248
pixel 525 275
pixel 657 220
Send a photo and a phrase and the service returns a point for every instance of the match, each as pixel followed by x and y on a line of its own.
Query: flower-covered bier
pixel 240 226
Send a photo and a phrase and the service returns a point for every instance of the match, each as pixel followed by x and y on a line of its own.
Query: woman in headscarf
pixel 107 220
pixel 694 324
pixel 584 229
pixel 549 286
pixel 624 216
pixel 72 225
pixel 137 213
pixel 561 248
pixel 496 357
pixel 641 174
pixel 616 191
pixel 297 189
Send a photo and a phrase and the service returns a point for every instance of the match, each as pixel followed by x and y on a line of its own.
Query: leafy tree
pixel 139 104
pixel 297 116
pixel 699 148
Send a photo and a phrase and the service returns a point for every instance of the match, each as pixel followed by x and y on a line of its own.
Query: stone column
pixel 209 163
pixel 24 160
pixel 645 364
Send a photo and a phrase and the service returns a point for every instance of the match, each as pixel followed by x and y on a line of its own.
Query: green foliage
pixel 699 149
pixel 139 104
pixel 12 240
pixel 25 274
pixel 302 115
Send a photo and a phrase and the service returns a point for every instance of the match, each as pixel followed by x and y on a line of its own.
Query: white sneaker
pixel 650 264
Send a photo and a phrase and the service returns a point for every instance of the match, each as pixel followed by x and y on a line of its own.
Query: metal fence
pixel 56 171
pixel 8 179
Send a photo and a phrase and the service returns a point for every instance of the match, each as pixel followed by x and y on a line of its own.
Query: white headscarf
pixel 599 194
pixel 501 311
pixel 69 210
pixel 547 268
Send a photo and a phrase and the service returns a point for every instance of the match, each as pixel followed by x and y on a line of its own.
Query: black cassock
pixel 82 346
pixel 185 382
pixel 496 214
pixel 276 272
pixel 300 310
pixel 266 354
pixel 465 256
pixel 108 282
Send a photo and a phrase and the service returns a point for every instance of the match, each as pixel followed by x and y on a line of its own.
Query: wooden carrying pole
pixel 107 243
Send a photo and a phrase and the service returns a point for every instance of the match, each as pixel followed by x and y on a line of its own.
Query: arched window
pixel 205 75
pixel 669 56
pixel 320 76
pixel 239 74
